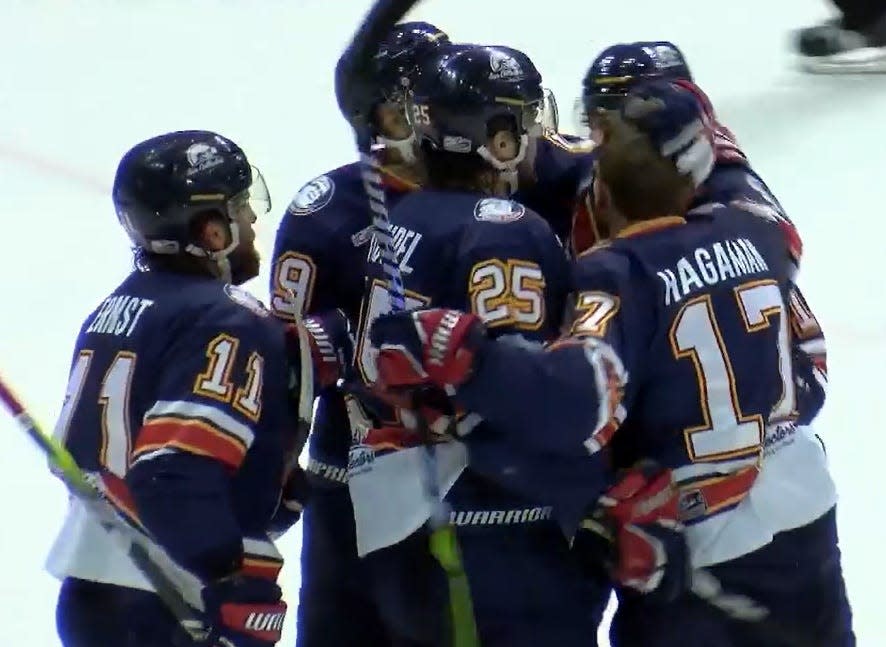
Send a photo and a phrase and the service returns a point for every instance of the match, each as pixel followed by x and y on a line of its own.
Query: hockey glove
pixel 295 495
pixel 636 535
pixel 244 612
pixel 332 345
pixel 426 348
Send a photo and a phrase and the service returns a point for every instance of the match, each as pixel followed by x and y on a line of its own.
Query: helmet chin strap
pixel 507 171
pixel 220 257
pixel 406 147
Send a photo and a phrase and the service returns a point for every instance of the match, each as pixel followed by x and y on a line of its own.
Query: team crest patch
pixel 312 197
pixel 244 298
pixel 498 210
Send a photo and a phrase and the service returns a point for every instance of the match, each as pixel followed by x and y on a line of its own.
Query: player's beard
pixel 245 264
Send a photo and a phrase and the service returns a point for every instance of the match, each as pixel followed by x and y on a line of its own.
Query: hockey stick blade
pixel 707 587
pixel 380 19
pixel 134 543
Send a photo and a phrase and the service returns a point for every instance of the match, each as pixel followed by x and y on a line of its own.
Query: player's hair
pixel 643 184
pixel 449 171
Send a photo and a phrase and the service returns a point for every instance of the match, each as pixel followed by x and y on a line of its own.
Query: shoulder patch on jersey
pixel 244 298
pixel 313 196
pixel 498 210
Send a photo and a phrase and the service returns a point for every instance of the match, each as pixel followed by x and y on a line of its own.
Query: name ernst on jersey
pixel 726 259
pixel 119 315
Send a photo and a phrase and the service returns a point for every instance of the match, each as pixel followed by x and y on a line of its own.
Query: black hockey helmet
pixel 400 55
pixel 389 76
pixel 163 183
pixel 469 92
pixel 620 67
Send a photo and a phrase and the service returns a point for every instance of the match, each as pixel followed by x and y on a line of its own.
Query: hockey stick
pixel 140 548
pixel 305 389
pixel 382 17
pixel 707 587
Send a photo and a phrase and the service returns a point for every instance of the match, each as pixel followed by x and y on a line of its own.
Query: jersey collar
pixel 395 182
pixel 651 226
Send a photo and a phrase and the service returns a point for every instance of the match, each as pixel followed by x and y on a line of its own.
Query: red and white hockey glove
pixel 426 348
pixel 331 343
pixel 636 534
pixel 244 612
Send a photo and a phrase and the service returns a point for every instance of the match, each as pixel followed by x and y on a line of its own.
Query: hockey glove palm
pixel 635 533
pixel 426 348
pixel 244 612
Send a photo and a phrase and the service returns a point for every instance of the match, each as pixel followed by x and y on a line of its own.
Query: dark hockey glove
pixel 244 612
pixel 635 534
pixel 426 348
pixel 295 495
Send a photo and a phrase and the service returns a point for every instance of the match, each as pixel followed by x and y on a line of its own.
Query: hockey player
pixel 620 68
pixel 679 350
pixel 471 248
pixel 179 402
pixel 319 264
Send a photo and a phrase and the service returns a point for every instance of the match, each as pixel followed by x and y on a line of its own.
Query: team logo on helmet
pixel 503 66
pixel 202 157
pixel 498 210
pixel 313 196
pixel 664 56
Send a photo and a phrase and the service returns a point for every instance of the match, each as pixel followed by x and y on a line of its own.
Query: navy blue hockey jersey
pixel 562 163
pixel 172 364
pixel 697 360
pixel 319 265
pixel 490 256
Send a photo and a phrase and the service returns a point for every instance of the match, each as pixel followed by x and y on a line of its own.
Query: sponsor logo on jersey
pixel 503 66
pixel 500 517
pixel 202 157
pixel 692 505
pixel 360 460
pixel 241 297
pixel 312 197
pixel 778 437
pixel 498 210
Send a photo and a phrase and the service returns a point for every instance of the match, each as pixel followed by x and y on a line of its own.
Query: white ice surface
pixel 81 82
